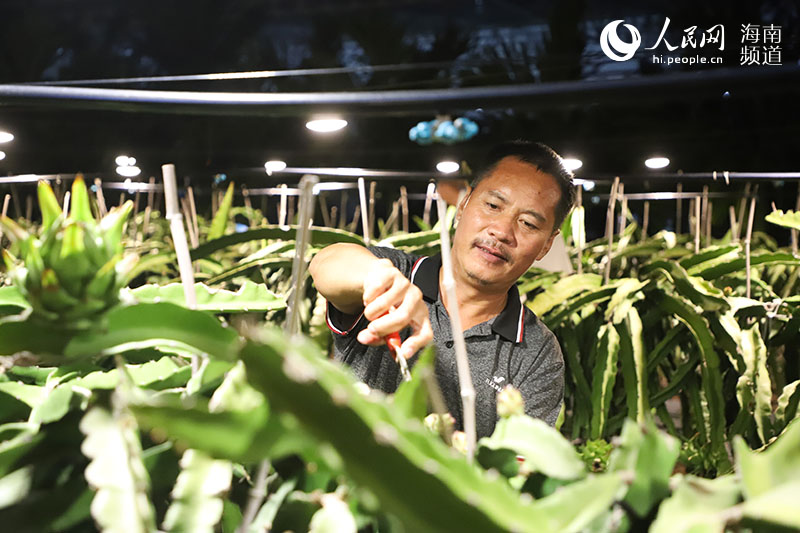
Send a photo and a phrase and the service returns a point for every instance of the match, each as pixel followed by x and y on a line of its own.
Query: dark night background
pixel 442 44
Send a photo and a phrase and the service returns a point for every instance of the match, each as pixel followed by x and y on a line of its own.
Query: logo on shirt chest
pixel 496 382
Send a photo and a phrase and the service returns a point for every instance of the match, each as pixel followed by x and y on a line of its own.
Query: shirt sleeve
pixel 542 385
pixel 342 324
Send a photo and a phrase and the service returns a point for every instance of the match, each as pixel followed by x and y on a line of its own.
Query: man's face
pixel 505 224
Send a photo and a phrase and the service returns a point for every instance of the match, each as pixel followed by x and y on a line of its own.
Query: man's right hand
pixel 391 303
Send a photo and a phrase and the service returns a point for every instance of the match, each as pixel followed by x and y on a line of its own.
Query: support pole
pixel 462 360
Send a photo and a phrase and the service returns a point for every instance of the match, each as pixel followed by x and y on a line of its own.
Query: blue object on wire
pixel 219 178
pixel 443 131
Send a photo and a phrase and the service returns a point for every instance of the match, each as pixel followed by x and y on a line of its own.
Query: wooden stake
pixel 612 201
pixel 371 219
pixel 15 199
pixel 697 229
pixel 794 231
pixel 704 211
pixel 747 240
pixel 623 212
pixel 121 199
pixel 426 216
pixel 246 197
pixel 742 205
pixel 290 214
pixel 404 206
pixel 28 207
pixel 734 228
pixel 462 360
pixel 679 211
pixel 101 199
pixel 708 222
pixel 365 225
pixel 356 217
pixel 645 219
pixel 193 211
pixel 579 243
pixel 323 205
pixel 6 201
pixel 334 216
pixel 283 206
pixel 189 228
pixel 343 209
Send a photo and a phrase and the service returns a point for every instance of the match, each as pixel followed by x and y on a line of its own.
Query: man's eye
pixel 491 205
pixel 528 225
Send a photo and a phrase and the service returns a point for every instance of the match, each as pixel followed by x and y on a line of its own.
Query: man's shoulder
pixel 536 335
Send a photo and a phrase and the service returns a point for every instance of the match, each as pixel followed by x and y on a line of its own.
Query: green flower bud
pixel 459 441
pixel 510 402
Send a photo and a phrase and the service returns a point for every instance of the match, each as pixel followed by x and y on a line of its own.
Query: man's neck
pixel 476 304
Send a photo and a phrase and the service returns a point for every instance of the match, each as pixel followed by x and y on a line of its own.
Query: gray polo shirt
pixel 514 347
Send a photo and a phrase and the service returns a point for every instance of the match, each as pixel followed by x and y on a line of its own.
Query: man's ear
pixel 463 204
pixel 547 245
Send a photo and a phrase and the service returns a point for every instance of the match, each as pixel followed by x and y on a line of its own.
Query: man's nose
pixel 502 230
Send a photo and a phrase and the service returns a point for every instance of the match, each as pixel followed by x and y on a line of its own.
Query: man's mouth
pixel 489 250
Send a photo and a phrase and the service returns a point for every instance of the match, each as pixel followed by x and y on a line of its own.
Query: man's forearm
pixel 338 271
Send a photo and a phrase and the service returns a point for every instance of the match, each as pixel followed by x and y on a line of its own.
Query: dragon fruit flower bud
pixel 510 402
pixel 439 424
pixel 459 441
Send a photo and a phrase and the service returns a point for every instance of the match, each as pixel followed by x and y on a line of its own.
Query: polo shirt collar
pixel 508 324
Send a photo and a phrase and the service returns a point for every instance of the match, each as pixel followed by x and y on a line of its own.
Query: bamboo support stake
pixel 610 228
pixel 362 196
pixel 404 206
pixel 15 200
pixel 6 201
pixel 371 218
pixel 708 222
pixel 742 205
pixel 645 220
pixel 323 205
pixel 343 209
pixel 101 200
pixel 579 242
pixel 356 218
pixel 462 360
pixel 28 207
pixel 282 207
pixel 179 242
pixel 734 226
pixel 392 221
pixel 121 199
pixel 696 225
pixel 214 205
pixel 189 228
pixel 623 212
pixel 290 211
pixel 292 325
pixel 794 231
pixel 426 216
pixel 704 212
pixel 136 199
pixel 747 240
pixel 246 197
pixel 679 211
pixel 193 210
pixel 334 216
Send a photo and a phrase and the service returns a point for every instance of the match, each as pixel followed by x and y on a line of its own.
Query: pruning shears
pixel 393 341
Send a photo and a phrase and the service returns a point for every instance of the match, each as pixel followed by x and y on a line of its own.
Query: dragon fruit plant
pixel 74 269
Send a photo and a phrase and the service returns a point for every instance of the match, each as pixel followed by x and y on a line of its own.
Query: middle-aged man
pixel 506 222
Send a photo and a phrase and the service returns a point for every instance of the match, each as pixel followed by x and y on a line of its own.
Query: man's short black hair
pixel 542 157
